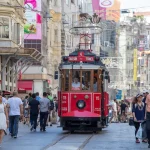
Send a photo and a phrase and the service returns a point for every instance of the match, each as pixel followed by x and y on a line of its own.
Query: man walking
pixel 44 109
pixel 34 111
pixel 145 95
pixel 37 96
pixel 148 118
pixel 15 110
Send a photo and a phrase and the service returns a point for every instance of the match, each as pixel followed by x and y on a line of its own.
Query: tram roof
pixel 84 66
pixel 86 58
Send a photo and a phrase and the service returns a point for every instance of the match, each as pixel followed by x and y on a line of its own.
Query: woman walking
pixel 138 114
pixel 3 119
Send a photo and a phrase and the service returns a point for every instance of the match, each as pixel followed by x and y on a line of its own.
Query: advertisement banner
pixel 106 3
pixel 32 28
pixel 107 9
pixel 135 63
pixel 119 94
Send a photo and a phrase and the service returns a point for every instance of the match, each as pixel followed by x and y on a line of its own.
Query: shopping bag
pixel 131 121
pixel 54 117
pixel 139 132
pixel 144 130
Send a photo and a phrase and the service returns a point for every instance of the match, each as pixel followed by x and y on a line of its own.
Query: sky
pixel 134 3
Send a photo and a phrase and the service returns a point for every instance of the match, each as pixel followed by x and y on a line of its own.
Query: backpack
pixel 52 105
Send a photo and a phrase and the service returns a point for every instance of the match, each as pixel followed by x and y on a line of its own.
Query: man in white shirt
pixel 15 110
pixel 76 84
pixel 4 100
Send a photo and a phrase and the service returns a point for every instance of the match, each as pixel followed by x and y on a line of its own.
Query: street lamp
pixel 95 19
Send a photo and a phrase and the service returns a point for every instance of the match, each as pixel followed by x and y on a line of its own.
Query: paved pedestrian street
pixel 116 137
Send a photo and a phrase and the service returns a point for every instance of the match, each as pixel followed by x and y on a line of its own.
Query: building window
pixel 67 2
pixel 55 2
pixel 56 35
pixel 4 27
pixel 72 1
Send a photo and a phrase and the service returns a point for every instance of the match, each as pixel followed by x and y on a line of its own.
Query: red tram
pixel 83 97
pixel 83 82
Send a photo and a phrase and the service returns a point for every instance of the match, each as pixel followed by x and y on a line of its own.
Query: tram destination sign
pixel 78 59
pixel 81 57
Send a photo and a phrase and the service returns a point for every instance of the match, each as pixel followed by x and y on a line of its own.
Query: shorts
pixel 26 114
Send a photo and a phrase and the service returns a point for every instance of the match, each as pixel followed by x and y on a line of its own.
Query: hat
pixel 138 95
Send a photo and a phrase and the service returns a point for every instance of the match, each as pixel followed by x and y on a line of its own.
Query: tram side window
pixel 86 80
pixel 95 85
pixel 66 80
pixel 75 80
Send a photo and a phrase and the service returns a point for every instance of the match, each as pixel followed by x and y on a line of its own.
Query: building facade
pixel 70 14
pixel 54 43
pixel 14 57
pixel 35 78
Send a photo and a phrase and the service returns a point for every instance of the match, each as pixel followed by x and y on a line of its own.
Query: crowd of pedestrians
pixel 139 110
pixel 30 110
pixel 119 111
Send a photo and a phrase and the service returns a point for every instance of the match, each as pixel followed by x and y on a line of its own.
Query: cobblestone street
pixel 116 136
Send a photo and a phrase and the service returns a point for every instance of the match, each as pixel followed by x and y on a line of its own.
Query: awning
pixel 6 92
pixel 25 85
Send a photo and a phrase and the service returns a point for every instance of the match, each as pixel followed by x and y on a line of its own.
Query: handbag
pixel 139 132
pixel 144 130
pixel 131 121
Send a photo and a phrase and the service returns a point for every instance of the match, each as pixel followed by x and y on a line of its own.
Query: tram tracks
pixel 81 147
pixel 55 142
pixel 85 142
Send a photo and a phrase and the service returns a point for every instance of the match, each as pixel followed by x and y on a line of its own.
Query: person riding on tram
pixel 76 84
pixel 95 85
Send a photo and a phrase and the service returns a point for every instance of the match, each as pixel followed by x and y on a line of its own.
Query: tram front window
pixel 86 80
pixel 76 84
pixel 95 85
pixel 81 80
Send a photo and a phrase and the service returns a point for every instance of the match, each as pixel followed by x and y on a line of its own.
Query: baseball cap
pixel 138 95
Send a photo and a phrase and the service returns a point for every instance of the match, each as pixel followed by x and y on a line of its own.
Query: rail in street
pixel 117 136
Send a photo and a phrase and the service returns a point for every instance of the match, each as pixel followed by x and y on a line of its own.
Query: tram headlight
pixel 80 104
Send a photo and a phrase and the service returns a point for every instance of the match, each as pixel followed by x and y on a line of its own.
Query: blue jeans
pixel 13 125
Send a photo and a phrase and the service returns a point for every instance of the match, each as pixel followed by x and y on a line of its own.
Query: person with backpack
pixel 138 111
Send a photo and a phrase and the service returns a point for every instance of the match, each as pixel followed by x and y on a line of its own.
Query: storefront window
pixel 4 27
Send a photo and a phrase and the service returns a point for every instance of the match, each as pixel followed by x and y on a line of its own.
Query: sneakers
pixel 34 130
pixel 31 128
pixel 15 137
pixel 137 141
pixel 144 141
